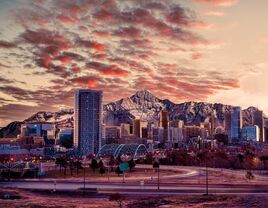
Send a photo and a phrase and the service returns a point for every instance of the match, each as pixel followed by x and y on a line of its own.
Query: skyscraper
pixel 164 119
pixel 164 123
pixel 88 121
pixel 258 119
pixel 236 124
pixel 228 124
pixel 137 127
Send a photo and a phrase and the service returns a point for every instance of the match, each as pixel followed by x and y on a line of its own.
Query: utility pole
pixel 157 166
pixel 84 181
pixel 158 183
pixel 206 179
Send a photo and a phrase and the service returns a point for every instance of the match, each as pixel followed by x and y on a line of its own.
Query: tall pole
pixel 108 173
pixel 206 178
pixel 84 180
pixel 158 182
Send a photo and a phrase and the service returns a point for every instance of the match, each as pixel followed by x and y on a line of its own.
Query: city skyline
pixel 180 50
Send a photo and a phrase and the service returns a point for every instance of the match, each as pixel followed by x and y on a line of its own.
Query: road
pixel 135 189
pixel 151 188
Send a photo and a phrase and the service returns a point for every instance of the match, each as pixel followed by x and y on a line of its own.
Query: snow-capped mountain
pixel 142 105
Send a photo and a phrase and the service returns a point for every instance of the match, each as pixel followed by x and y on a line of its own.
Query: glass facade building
pixel 251 133
pixel 236 124
pixel 258 119
pixel 88 121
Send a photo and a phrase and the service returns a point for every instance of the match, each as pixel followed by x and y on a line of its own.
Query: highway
pixel 168 189
pixel 150 188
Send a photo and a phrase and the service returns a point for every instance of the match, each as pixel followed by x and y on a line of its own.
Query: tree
pixel 131 164
pixel 101 166
pixel 155 164
pixel 102 170
pixel 149 158
pixel 94 164
pixel 78 165
pixel 101 163
pixel 118 198
pixel 118 171
pixel 112 162
pixel 249 175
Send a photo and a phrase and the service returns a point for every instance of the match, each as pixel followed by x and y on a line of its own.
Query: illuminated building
pixel 236 124
pixel 228 124
pixel 88 121
pixel 250 133
pixel 258 119
pixel 164 119
pixel 137 127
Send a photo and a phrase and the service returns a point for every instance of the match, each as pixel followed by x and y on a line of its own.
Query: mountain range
pixel 142 104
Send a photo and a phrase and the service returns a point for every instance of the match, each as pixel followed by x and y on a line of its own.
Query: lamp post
pixel 206 158
pixel 206 178
pixel 158 181
pixel 84 180
pixel 84 168
pixel 157 166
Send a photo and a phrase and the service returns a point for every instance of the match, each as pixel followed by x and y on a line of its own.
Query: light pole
pixel 206 179
pixel 158 181
pixel 84 180
pixel 84 167
pixel 157 166
pixel 206 158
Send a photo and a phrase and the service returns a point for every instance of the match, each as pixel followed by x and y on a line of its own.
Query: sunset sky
pixel 183 50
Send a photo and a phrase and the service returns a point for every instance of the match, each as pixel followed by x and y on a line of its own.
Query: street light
pixel 84 167
pixel 206 178
pixel 157 165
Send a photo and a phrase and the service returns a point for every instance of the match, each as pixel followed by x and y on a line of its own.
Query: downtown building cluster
pixel 162 133
pixel 91 131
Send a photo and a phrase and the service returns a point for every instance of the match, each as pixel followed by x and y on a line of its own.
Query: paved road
pixel 137 189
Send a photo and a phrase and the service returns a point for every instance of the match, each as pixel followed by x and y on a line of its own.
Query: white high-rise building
pixel 88 121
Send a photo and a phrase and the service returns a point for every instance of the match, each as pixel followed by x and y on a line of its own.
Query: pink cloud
pixel 215 13
pixel 90 44
pixel 67 20
pixel 224 3
pixel 108 70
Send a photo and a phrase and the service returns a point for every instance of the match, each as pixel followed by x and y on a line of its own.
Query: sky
pixel 183 50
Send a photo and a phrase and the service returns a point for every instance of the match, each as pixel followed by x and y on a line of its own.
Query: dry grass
pixel 48 200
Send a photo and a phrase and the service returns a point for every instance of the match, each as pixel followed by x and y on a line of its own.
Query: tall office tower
pixel 164 119
pixel 137 127
pixel 228 124
pixel 88 121
pixel 236 124
pixel 164 123
pixel 258 119
pixel 178 125
pixel 212 120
